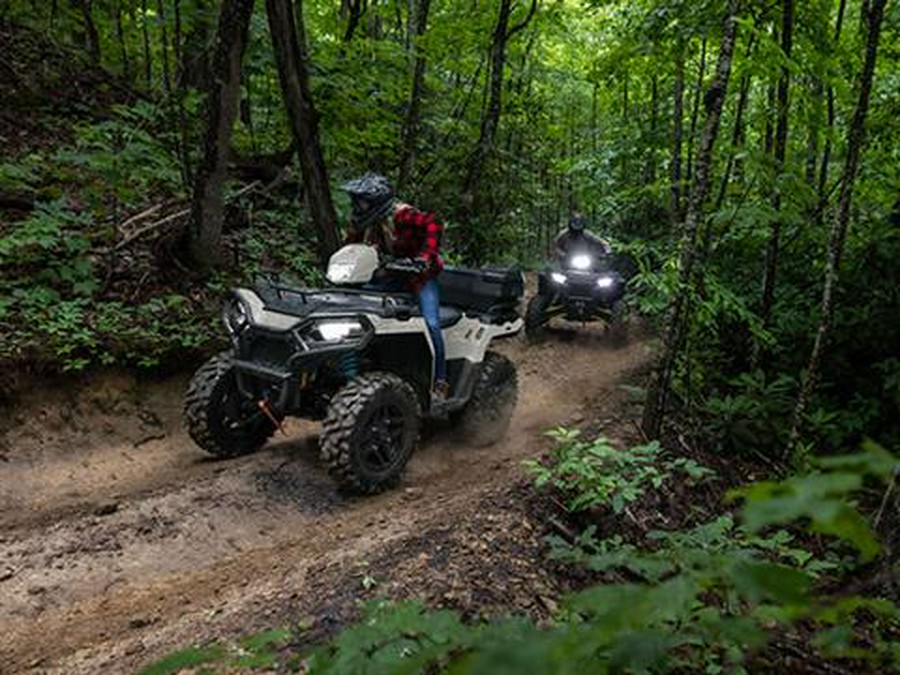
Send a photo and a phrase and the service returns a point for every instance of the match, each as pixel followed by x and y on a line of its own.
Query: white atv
pixel 362 361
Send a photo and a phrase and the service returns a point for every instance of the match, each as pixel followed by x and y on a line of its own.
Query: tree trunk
pixel 658 389
pixel 677 133
pixel 146 36
pixel 781 132
pixel 410 133
pixel 195 49
pixel 354 9
pixel 855 140
pixel 491 117
pixel 695 109
pixel 737 134
pixel 292 59
pixel 205 227
pixel 123 50
pixel 826 153
pixel 164 46
pixel 181 85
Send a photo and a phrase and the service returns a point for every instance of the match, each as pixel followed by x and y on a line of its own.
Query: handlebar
pixel 405 265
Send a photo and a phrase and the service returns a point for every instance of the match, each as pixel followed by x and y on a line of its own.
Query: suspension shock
pixel 349 365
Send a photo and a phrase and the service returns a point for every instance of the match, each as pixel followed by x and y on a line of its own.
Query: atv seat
pixel 450 316
pixel 492 293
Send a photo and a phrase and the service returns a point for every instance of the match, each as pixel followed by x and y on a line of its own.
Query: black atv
pixel 583 287
pixel 361 361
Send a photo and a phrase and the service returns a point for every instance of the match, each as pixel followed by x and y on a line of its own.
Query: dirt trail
pixel 119 540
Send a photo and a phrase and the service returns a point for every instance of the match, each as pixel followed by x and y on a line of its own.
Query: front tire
pixel 219 419
pixel 486 417
pixel 370 431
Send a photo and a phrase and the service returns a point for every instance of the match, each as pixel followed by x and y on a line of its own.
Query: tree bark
pixel 354 9
pixel 658 389
pixel 164 46
pixel 204 232
pixel 146 36
pixel 677 133
pixel 292 59
pixel 195 50
pixel 855 141
pixel 410 133
pixel 781 132
pixel 491 117
pixel 695 110
pixel 826 153
pixel 737 134
pixel 123 50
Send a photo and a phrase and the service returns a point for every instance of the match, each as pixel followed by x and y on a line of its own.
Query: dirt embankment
pixel 120 541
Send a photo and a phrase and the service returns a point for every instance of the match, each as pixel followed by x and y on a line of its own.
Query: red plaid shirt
pixel 415 235
pixel 418 235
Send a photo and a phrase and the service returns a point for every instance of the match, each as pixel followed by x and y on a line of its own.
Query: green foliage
pixel 822 498
pixel 751 413
pixel 256 651
pixel 123 153
pixel 596 474
pixel 706 599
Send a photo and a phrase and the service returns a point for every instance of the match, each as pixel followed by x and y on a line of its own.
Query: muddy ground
pixel 120 541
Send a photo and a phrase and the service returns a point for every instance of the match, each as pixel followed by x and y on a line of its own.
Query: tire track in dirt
pixel 116 551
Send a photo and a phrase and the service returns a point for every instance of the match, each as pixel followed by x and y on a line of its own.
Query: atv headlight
pixel 558 278
pixel 581 262
pixel 334 331
pixel 605 282
pixel 236 316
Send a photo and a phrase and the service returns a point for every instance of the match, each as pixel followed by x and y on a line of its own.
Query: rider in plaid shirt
pixel 410 233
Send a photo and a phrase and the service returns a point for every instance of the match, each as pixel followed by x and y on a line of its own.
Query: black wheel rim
pixel 237 415
pixel 381 448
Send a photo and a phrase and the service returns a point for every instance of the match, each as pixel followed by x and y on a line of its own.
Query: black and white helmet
pixel 371 198
pixel 576 223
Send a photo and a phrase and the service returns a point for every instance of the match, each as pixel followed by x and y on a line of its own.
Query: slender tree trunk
pixel 164 46
pixel 781 132
pixel 292 60
pixel 855 141
pixel 737 134
pixel 204 233
pixel 650 161
pixel 410 133
pixel 354 9
pixel 146 36
pixel 123 50
pixel 181 82
pixel 491 117
pixel 195 49
pixel 91 28
pixel 658 389
pixel 677 133
pixel 695 109
pixel 826 153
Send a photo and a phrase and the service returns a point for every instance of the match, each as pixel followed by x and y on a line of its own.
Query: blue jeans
pixel 430 307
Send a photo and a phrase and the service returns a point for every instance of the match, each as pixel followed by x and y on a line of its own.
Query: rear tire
pixel 486 417
pixel 217 417
pixel 369 432
pixel 536 317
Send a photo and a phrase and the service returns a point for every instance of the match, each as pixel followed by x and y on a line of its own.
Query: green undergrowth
pixel 720 596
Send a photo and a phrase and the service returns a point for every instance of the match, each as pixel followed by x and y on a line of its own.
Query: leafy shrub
pixel 596 474
pixel 708 597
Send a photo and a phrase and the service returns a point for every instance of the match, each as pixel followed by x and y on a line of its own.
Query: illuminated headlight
pixel 332 331
pixel 581 262
pixel 236 316
pixel 338 273
pixel 605 282
pixel 558 278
